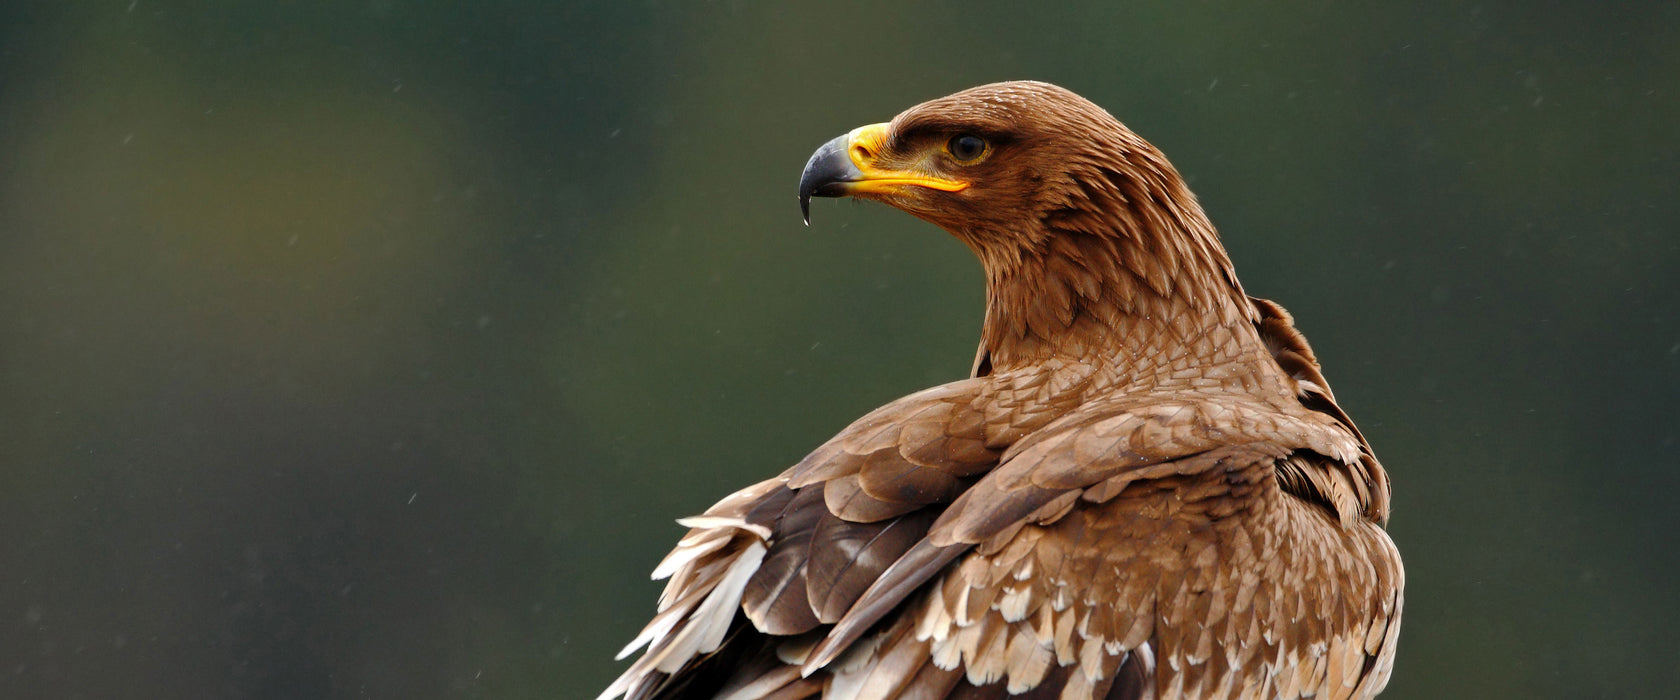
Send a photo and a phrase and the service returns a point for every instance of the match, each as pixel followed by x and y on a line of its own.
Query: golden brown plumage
pixel 1145 490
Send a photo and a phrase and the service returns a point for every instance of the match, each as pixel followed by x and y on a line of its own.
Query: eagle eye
pixel 966 148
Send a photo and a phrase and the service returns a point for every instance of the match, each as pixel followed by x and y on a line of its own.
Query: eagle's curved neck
pixel 1132 263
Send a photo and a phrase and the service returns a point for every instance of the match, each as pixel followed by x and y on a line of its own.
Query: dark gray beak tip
pixel 826 174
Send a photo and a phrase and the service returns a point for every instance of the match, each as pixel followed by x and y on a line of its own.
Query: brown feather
pixel 847 557
pixel 776 598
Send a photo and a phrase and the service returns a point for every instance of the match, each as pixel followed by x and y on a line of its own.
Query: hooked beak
pixel 847 166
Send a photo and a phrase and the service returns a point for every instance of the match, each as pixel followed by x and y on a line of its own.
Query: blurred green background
pixel 368 349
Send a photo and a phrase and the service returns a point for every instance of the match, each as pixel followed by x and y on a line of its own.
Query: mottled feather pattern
pixel 1145 489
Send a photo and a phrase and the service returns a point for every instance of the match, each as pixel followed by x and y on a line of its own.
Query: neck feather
pixel 1124 251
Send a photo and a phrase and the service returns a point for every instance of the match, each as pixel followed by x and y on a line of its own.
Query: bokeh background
pixel 368 349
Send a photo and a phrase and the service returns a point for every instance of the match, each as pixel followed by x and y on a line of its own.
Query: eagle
pixel 1144 488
